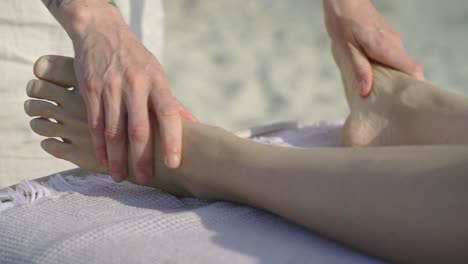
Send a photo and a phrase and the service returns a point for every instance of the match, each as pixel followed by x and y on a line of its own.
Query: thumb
pixel 362 70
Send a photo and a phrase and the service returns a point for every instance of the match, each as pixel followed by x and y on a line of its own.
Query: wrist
pixel 338 7
pixel 80 19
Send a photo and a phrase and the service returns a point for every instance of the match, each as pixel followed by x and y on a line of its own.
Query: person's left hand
pixel 359 32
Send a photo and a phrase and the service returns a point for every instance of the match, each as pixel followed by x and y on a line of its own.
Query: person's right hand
pixel 360 33
pixel 123 84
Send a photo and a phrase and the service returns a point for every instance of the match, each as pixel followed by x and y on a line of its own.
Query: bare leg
pixel 402 111
pixel 404 204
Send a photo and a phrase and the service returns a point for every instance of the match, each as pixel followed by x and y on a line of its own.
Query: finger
pixel 48 91
pixel 140 138
pixel 57 148
pixel 44 109
pixel 115 133
pixel 56 69
pixel 393 54
pixel 170 126
pixel 46 128
pixel 362 70
pixel 95 113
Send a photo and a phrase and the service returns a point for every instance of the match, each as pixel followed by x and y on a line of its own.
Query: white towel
pixel 70 219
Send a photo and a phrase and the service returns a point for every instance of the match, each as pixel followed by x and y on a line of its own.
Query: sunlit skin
pixel 405 204
pixel 122 82
pixel 361 34
pixel 125 88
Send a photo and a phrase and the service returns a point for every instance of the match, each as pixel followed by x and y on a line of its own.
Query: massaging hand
pixel 361 33
pixel 124 86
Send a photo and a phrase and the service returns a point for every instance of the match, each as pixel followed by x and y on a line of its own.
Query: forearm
pixel 76 16
pixel 405 204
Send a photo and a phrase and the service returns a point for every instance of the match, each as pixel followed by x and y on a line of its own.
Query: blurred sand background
pixel 242 63
pixel 233 63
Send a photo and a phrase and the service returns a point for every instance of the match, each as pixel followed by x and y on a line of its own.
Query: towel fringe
pixel 28 192
pixel 25 192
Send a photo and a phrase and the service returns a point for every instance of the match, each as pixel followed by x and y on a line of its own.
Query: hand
pixel 123 84
pixel 360 33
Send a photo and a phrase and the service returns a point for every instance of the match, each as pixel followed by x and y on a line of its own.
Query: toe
pixel 72 153
pixel 56 69
pixel 57 148
pixel 48 91
pixel 45 110
pixel 47 128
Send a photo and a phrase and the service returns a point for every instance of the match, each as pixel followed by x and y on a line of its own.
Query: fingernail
pixel 30 86
pixel 362 87
pixel 117 177
pixel 194 119
pixel 172 160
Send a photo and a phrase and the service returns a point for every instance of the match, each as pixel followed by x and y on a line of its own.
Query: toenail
pixel 42 66
pixel 30 86
pixel 27 105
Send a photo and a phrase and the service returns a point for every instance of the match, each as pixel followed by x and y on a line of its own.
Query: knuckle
pixel 91 88
pixel 138 134
pixel 114 135
pixel 113 87
pixel 135 79
pixel 96 128
pixel 168 109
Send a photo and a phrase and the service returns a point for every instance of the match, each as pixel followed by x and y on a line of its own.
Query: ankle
pixel 207 154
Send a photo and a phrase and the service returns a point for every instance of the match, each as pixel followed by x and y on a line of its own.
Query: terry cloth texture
pixel 79 217
pixel 29 31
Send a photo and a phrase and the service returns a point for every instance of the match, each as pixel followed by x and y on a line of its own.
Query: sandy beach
pixel 237 64
pixel 240 64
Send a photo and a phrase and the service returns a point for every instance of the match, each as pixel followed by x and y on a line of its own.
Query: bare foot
pixel 201 152
pixel 67 108
pixel 375 120
pixel 71 121
pixel 401 111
